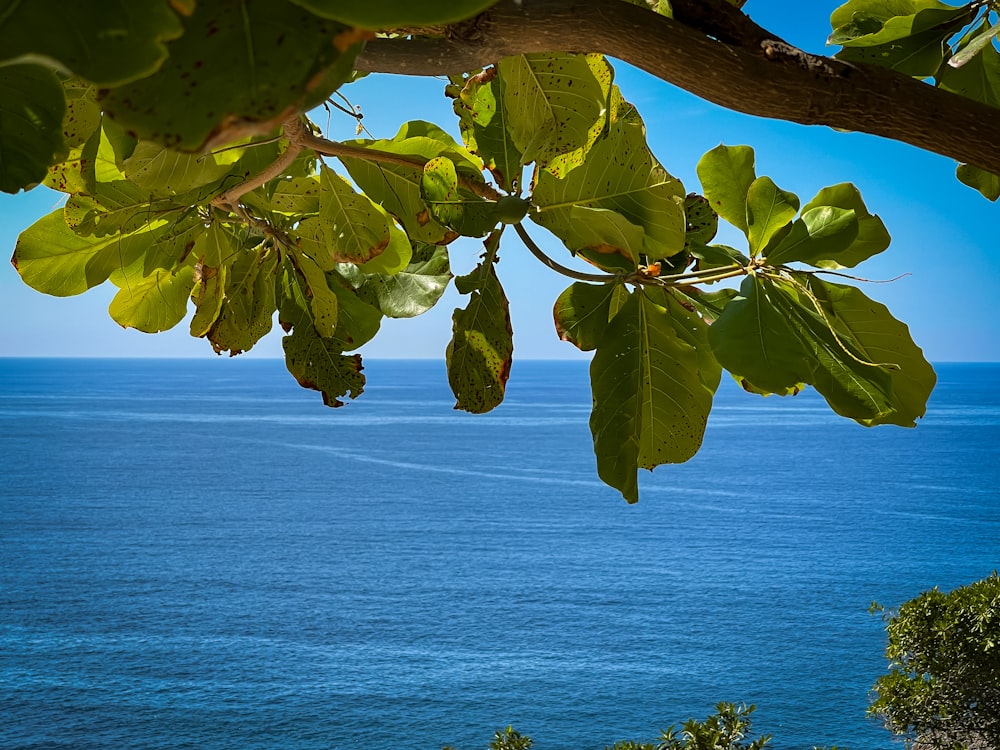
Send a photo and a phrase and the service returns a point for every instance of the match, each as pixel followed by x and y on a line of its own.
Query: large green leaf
pixel 556 105
pixel 822 233
pixel 620 175
pixel 692 328
pixel 319 364
pixel 726 173
pixel 754 340
pixel 53 259
pixel 357 320
pixel 241 67
pixel 451 204
pixel 395 13
pixel 583 311
pixel 883 339
pixel 108 43
pixel 249 303
pixel 872 237
pixel 32 105
pixel 411 292
pixel 479 353
pixel 355 229
pixel 650 403
pixel 324 305
pixel 214 251
pixel 163 172
pixel 769 209
pixel 152 303
pixel 604 237
pixel 871 23
pixel 479 104
pixel 396 187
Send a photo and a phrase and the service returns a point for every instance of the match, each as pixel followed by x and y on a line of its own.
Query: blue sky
pixel 943 233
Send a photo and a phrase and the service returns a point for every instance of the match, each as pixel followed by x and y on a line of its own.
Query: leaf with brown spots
pixel 319 364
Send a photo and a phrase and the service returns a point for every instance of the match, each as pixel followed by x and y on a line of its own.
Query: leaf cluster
pixel 329 237
pixel 954 48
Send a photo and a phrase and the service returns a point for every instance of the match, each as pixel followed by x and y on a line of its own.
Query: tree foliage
pixel 195 181
pixel 943 685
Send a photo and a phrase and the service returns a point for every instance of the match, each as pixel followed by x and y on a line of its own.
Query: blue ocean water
pixel 198 554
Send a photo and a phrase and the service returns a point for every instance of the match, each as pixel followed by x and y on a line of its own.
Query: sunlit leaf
pixel 479 104
pixel 414 290
pixel 355 229
pixel 985 182
pixel 872 237
pixel 323 303
pixel 769 209
pixel 152 303
pixel 249 303
pixel 726 173
pixel 53 259
pixel 556 104
pixel 821 234
pixel 621 175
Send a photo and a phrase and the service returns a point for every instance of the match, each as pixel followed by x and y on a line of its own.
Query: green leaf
pixel 978 78
pixel 773 336
pixel 323 303
pixel 266 59
pixel 650 403
pixel 152 303
pixel 620 175
pixel 297 196
pixel 883 339
pixel 479 353
pixel 754 340
pixel 483 118
pixel 583 311
pixel 604 237
pixel 768 209
pixel 919 56
pixel 872 237
pixel 51 258
pixel 32 105
pixel 726 173
pixel 83 113
pixel 249 303
pixel 396 13
pixel 108 43
pixel 357 320
pixel 822 234
pixel 320 365
pixel 396 187
pixel 702 223
pixel 556 105
pixel 414 290
pixel 163 172
pixel 452 205
pixel 207 294
pixel 871 23
pixel 985 182
pixel 692 328
pixel 717 256
pixel 355 229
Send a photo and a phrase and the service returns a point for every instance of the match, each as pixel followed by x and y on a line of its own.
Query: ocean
pixel 198 554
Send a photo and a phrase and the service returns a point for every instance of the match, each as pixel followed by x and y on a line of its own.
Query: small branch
pixel 600 278
pixel 230 199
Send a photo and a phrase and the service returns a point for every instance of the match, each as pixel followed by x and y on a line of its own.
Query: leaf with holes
pixel 556 105
pixel 319 364
pixel 479 354
pixel 621 175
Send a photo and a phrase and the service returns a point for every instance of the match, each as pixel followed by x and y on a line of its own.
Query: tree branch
pixel 716 52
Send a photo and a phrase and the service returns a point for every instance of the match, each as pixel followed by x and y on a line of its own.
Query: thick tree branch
pixel 715 52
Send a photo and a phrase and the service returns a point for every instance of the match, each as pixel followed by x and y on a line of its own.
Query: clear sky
pixel 944 234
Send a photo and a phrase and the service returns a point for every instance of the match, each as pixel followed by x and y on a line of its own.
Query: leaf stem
pixel 230 199
pixel 600 278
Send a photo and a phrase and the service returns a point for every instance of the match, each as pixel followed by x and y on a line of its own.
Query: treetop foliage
pixel 196 180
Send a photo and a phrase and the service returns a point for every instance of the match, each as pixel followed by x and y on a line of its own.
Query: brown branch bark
pixel 714 51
